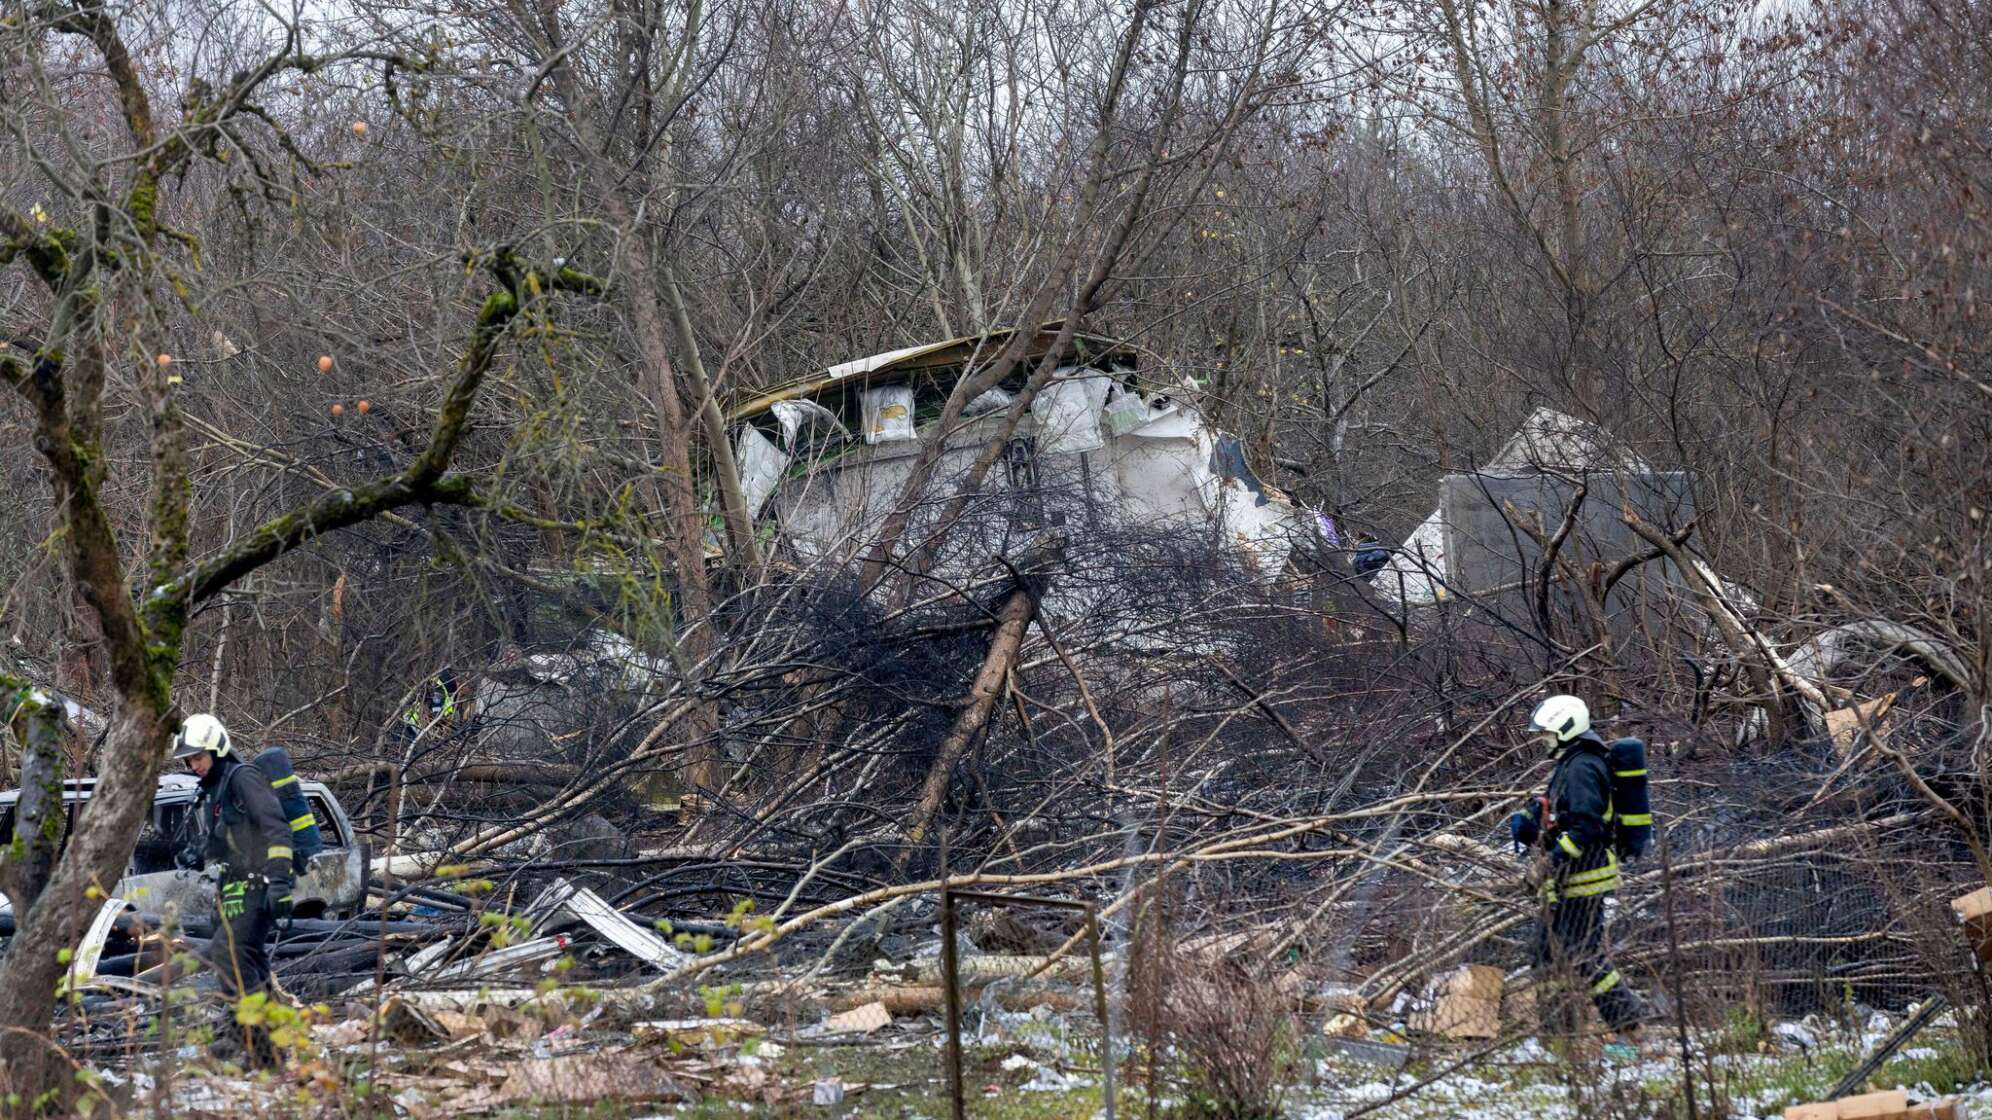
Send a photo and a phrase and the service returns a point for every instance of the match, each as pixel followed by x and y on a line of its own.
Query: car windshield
pixel 160 839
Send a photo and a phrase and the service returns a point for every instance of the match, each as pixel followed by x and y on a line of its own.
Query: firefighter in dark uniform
pixel 249 841
pixel 1574 825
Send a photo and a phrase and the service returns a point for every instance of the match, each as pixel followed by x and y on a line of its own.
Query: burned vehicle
pixel 334 885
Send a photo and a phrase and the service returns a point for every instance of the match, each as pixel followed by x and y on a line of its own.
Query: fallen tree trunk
pixel 1013 617
pixel 1767 668
pixel 488 773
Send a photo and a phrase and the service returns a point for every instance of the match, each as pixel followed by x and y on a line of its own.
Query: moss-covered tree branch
pixel 423 481
pixel 33 720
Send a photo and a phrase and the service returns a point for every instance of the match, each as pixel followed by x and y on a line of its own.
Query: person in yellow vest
pixel 437 712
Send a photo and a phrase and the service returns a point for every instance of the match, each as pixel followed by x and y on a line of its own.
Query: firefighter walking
pixel 249 842
pixel 1596 810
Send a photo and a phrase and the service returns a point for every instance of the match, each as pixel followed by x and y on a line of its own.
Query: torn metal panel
pixel 547 904
pixel 625 934
pixel 1825 655
pixel 1546 446
pixel 522 955
pixel 83 964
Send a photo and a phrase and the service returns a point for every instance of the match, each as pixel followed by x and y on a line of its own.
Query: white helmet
pixel 1565 717
pixel 199 733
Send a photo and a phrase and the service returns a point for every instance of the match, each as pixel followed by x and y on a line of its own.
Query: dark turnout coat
pixel 247 832
pixel 1582 822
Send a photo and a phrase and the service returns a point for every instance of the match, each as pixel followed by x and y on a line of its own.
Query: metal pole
pixel 1100 1010
pixel 951 985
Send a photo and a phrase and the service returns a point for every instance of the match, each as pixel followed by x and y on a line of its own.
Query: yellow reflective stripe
pixel 1629 773
pixel 299 824
pixel 1568 845
pixel 1637 819
pixel 1589 889
pixel 282 782
pixel 1606 983
pixel 280 851
pixel 1598 876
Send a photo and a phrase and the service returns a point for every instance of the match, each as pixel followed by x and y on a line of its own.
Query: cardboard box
pixel 1518 1008
pixel 1884 1105
pixel 1974 912
pixel 1890 1105
pixel 1845 725
pixel 1468 1007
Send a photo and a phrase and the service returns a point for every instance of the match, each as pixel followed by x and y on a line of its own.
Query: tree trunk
pixel 35 721
pixel 1012 618
pixel 29 1063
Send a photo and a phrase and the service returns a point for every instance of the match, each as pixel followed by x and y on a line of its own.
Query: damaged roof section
pixel 1454 547
pixel 1106 440
pixel 936 362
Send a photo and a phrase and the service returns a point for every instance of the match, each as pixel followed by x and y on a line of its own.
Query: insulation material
pixel 987 401
pixel 1163 468
pixel 761 465
pixel 1408 575
pixel 1067 413
pixel 1125 411
pixel 1845 725
pixel 810 420
pixel 1257 527
pixel 1174 423
pixel 888 413
pixel 859 1020
pixel 836 507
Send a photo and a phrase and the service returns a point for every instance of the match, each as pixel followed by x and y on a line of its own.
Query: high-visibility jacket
pixel 1580 831
pixel 306 840
pixel 441 704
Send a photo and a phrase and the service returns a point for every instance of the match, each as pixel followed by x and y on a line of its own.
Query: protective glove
pixel 281 902
pixel 1523 830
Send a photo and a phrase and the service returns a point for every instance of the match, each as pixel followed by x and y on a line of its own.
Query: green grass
pixel 1771 1082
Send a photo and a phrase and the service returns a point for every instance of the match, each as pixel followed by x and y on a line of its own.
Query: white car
pixel 334 885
